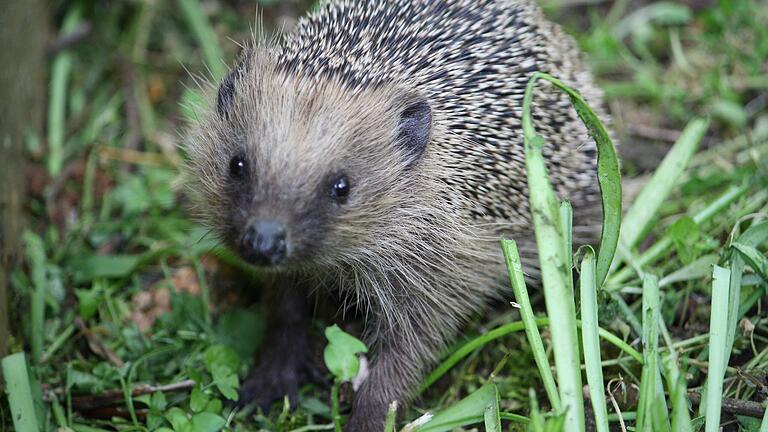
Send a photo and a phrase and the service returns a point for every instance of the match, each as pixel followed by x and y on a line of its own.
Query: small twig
pixel 114 397
pixel 110 412
pixel 308 428
pixel 733 406
pixel 96 345
pixel 137 157
pixel 661 134
pixel 653 133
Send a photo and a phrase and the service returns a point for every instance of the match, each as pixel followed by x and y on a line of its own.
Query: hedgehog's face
pixel 307 173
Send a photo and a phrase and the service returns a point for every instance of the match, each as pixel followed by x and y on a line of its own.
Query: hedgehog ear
pixel 227 88
pixel 226 94
pixel 414 128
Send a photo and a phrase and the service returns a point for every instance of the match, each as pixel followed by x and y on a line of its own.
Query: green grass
pixel 591 341
pixel 109 246
pixel 18 388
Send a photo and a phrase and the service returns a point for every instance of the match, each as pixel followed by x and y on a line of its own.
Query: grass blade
pixel 754 258
pixel 698 269
pixel 558 295
pixel 502 331
pixel 470 347
pixel 470 410
pixel 656 251
pixel 591 340
pixel 655 192
pixel 718 358
pixel 566 224
pixel 517 418
pixel 19 393
pixel 389 426
pixel 198 23
pixel 755 235
pixel 651 414
pixel 36 255
pixel 61 69
pixel 608 172
pixel 539 423
pixel 514 266
pixel 676 385
pixel 491 416
pixel 681 419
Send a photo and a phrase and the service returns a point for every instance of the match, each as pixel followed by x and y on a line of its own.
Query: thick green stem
pixel 335 405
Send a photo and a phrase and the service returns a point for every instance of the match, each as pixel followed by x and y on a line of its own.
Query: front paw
pixel 272 380
pixel 366 419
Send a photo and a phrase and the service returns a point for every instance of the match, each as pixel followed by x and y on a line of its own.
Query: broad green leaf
pixel 207 422
pixel 90 267
pixel 340 354
pixel 178 419
pixel 221 355
pixel 88 301
pixel 197 400
pixel 226 381
pixel 214 406
pixel 232 326
pixel 158 401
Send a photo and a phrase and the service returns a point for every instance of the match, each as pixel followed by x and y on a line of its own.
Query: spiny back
pixel 472 59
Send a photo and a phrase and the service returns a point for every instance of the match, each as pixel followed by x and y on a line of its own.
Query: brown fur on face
pixel 297 138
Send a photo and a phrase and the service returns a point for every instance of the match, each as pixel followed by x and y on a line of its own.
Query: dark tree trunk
pixel 23 37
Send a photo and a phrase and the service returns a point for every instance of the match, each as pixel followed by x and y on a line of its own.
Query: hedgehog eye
pixel 238 167
pixel 340 189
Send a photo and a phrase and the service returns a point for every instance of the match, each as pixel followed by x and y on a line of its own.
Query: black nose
pixel 264 242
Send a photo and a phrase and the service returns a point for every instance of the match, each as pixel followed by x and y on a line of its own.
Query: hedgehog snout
pixel 264 242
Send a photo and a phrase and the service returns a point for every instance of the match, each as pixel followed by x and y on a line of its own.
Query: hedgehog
pixel 374 153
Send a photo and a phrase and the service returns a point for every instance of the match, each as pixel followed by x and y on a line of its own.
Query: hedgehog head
pixel 292 170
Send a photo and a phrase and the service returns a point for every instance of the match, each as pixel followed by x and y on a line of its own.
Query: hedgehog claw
pixel 270 381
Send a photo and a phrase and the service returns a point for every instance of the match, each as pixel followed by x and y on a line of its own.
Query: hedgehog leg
pixel 285 361
pixel 401 352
